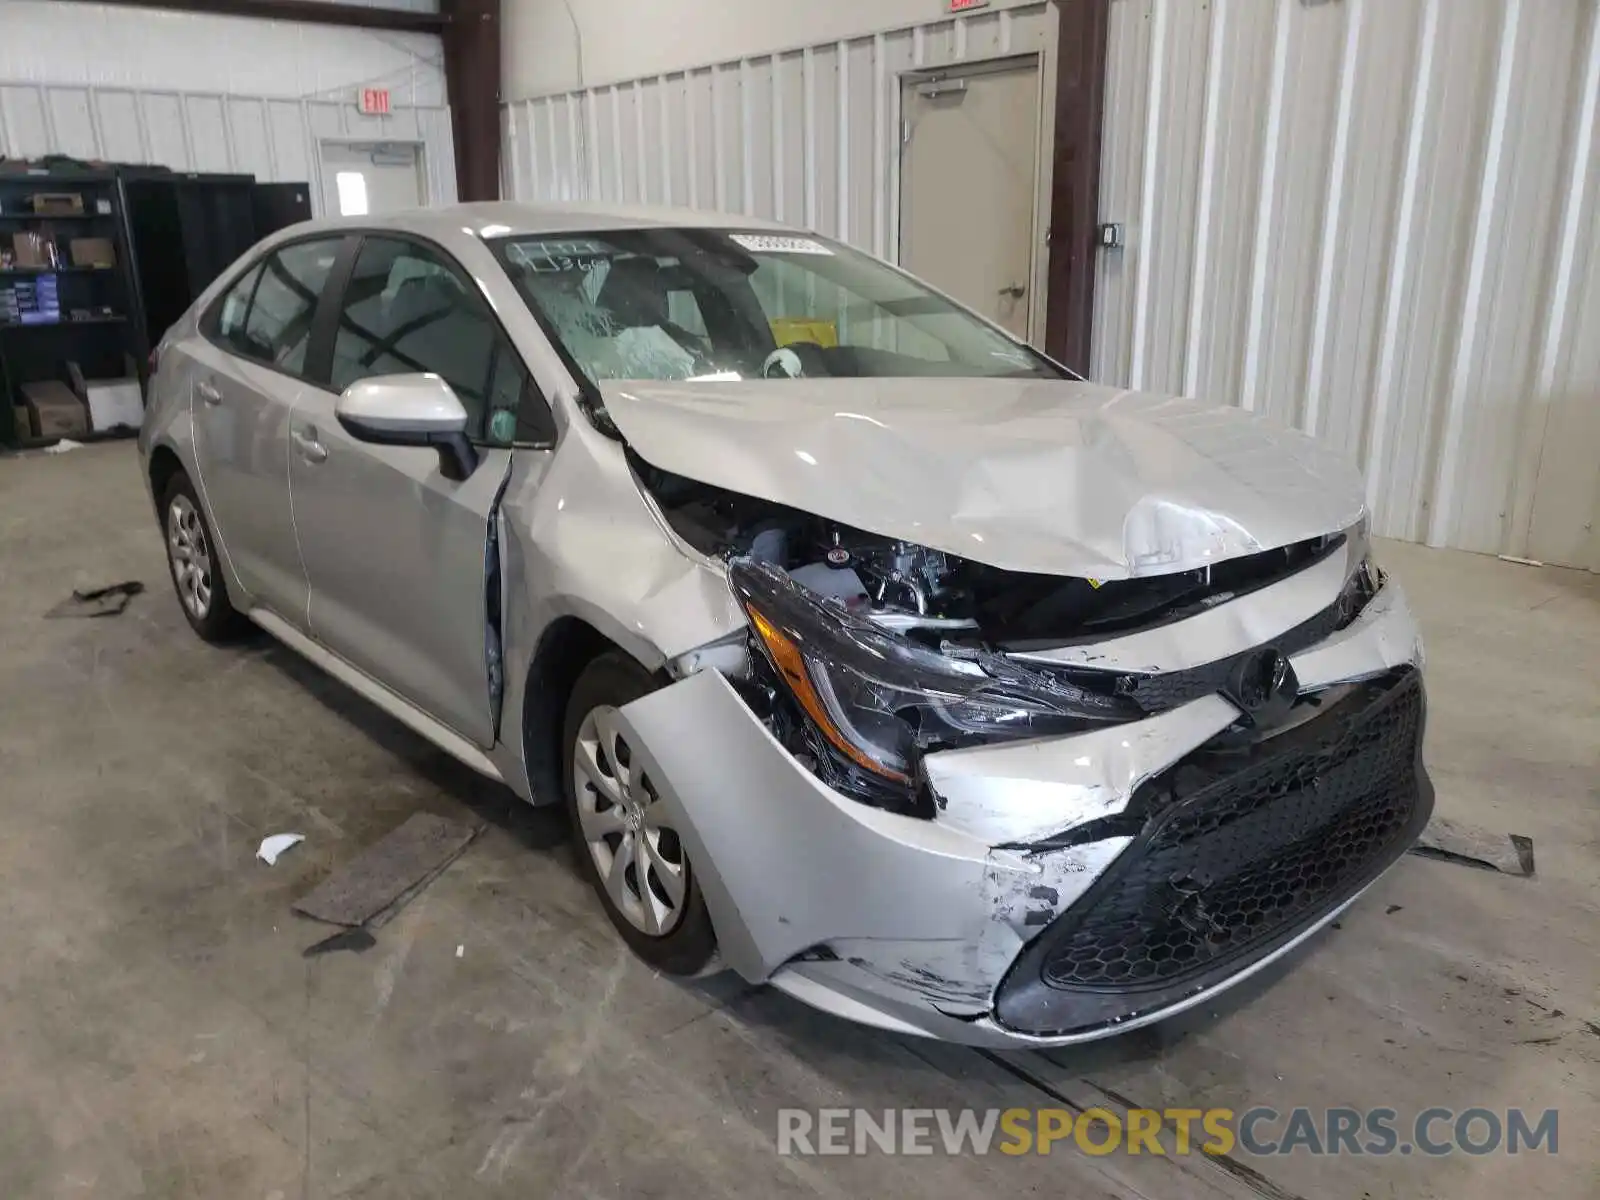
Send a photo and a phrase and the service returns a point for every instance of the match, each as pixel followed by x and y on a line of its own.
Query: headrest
pixel 634 293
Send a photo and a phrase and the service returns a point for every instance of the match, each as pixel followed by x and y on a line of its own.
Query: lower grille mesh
pixel 1253 850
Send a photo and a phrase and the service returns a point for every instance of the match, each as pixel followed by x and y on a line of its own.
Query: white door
pixel 967 185
pixel 371 178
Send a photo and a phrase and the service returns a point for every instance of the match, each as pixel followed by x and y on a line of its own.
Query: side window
pixel 277 329
pixel 227 318
pixel 406 311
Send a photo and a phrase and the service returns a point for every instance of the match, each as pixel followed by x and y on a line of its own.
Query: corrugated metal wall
pixel 808 136
pixel 205 93
pixel 1376 220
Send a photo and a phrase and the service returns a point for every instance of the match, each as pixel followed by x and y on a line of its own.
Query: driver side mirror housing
pixel 410 410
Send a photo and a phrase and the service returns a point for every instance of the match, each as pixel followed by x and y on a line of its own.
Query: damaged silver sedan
pixel 876 656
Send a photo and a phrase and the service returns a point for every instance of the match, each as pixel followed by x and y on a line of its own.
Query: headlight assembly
pixel 1365 579
pixel 877 700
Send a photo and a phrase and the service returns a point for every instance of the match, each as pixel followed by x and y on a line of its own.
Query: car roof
pixel 503 218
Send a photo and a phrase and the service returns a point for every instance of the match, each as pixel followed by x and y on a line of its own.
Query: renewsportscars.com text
pixel 1257 1131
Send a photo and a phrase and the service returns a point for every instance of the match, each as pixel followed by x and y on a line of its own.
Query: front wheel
pixel 625 842
pixel 192 559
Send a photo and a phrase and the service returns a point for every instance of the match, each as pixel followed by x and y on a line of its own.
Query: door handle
pixel 1015 291
pixel 310 449
pixel 208 392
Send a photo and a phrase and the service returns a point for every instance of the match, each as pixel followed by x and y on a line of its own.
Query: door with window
pixel 395 553
pixel 250 366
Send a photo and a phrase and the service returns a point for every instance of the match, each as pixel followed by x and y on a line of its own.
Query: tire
pixel 192 561
pixel 674 935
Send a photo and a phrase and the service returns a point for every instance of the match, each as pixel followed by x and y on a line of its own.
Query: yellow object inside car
pixel 788 330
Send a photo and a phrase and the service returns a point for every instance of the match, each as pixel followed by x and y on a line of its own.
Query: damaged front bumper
pixel 1068 888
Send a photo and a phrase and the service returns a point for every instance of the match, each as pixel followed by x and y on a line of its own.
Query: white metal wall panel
pixel 205 93
pixel 553 45
pixel 1371 219
pixel 809 135
pixel 270 138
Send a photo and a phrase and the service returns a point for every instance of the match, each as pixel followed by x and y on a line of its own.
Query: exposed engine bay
pixel 869 652
pixel 939 598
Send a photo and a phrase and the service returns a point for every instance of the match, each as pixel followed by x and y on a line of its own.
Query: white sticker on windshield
pixel 762 243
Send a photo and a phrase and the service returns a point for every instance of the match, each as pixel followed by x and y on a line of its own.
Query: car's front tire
pixel 193 562
pixel 625 845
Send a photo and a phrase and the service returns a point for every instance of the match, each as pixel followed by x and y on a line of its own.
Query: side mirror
pixel 410 410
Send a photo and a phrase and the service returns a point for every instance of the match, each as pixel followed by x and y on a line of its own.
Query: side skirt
pixel 412 717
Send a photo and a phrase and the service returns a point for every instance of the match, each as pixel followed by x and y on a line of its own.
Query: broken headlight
pixel 877 701
pixel 1365 579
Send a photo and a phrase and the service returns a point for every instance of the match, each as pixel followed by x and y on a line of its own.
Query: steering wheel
pixel 795 361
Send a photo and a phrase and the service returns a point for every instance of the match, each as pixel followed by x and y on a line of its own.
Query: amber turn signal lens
pixel 790 663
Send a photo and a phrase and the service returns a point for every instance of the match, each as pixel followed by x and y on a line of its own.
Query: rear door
pixel 250 365
pixel 395 553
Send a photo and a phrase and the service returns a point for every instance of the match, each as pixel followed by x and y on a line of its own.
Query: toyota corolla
pixel 875 655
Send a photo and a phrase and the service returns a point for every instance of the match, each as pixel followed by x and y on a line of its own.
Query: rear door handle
pixel 310 449
pixel 208 392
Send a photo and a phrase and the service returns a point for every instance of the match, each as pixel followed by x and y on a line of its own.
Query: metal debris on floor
pixel 272 847
pixel 1451 841
pixel 365 893
pixel 107 601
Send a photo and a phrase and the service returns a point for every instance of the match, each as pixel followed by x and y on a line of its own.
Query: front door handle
pixel 208 392
pixel 310 449
pixel 1015 291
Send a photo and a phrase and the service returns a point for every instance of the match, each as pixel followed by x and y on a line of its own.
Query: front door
pixel 396 553
pixel 967 185
pixel 249 366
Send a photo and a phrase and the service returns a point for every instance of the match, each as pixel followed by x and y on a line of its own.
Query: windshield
pixel 716 304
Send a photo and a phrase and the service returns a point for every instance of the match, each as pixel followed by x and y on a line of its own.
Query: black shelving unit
pixel 101 323
pixel 188 228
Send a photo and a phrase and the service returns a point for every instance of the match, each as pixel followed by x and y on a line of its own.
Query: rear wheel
pixel 192 558
pixel 626 845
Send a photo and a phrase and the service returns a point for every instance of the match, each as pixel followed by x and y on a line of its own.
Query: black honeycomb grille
pixel 1246 854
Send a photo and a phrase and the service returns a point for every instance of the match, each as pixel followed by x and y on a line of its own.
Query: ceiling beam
pixel 310 12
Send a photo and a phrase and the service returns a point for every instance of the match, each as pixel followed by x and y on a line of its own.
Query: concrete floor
pixel 162 1036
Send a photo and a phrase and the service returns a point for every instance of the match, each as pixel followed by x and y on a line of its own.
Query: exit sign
pixel 374 101
pixel 957 6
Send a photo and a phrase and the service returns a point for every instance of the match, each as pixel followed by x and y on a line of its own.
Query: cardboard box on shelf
pixel 57 204
pixel 31 249
pixel 92 252
pixel 53 410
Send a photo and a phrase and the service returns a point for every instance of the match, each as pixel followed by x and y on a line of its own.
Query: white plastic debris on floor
pixel 272 847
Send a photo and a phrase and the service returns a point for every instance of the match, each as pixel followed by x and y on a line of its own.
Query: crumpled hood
pixel 1051 477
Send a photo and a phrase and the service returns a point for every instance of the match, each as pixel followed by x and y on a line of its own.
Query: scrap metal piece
pixel 1450 841
pixel 107 601
pixel 372 887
